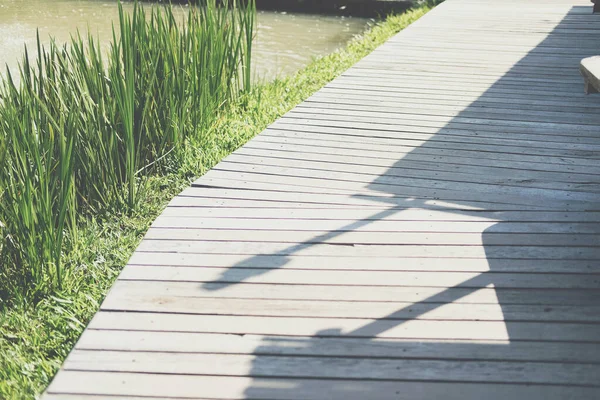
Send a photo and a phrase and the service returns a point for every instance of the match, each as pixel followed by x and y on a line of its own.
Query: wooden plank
pixel 249 196
pixel 376 205
pixel 189 342
pixel 453 137
pixel 472 83
pixel 510 114
pixel 382 225
pixel 124 299
pixel 490 95
pixel 400 87
pixel 432 239
pixel 233 179
pixel 424 156
pixel 517 30
pixel 450 74
pixel 330 141
pixel 521 45
pixel 399 134
pixel 418 197
pixel 470 68
pixel 330 368
pixel 422 37
pixel 372 101
pixel 214 387
pixel 489 122
pixel 387 148
pixel 386 186
pixel 392 198
pixel 387 197
pixel 469 81
pixel 408 129
pixel 549 69
pixel 519 55
pixel 256 164
pixel 478 291
pixel 433 65
pixel 317 113
pixel 413 214
pixel 568 70
pixel 443 110
pixel 243 181
pixel 490 72
pixel 361 278
pixel 398 181
pixel 227 203
pixel 367 98
pixel 334 327
pixel 501 47
pixel 270 156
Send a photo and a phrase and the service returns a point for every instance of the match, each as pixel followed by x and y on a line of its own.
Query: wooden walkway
pixel 427 226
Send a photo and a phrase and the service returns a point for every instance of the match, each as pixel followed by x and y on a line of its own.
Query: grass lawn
pixel 35 339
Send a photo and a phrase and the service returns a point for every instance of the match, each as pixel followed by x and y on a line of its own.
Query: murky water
pixel 284 43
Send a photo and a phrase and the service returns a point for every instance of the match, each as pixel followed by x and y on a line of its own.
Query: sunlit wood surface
pixel 427 226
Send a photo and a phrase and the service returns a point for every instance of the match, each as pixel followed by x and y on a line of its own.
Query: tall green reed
pixel 82 130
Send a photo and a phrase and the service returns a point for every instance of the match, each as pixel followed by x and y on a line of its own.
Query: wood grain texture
pixel 212 343
pixel 218 387
pixel 425 226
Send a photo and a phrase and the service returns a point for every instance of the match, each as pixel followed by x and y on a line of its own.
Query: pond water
pixel 285 42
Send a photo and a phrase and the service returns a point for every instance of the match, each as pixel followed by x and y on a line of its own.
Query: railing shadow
pixel 543 271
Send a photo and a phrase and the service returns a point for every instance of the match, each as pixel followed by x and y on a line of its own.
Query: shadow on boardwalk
pixel 512 148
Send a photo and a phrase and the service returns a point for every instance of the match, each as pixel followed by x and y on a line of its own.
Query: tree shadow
pixel 517 151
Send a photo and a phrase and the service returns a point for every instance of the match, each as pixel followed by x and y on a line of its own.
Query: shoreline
pixel 354 8
pixel 347 8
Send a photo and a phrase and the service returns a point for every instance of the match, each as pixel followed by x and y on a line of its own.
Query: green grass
pixel 35 339
pixel 82 132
